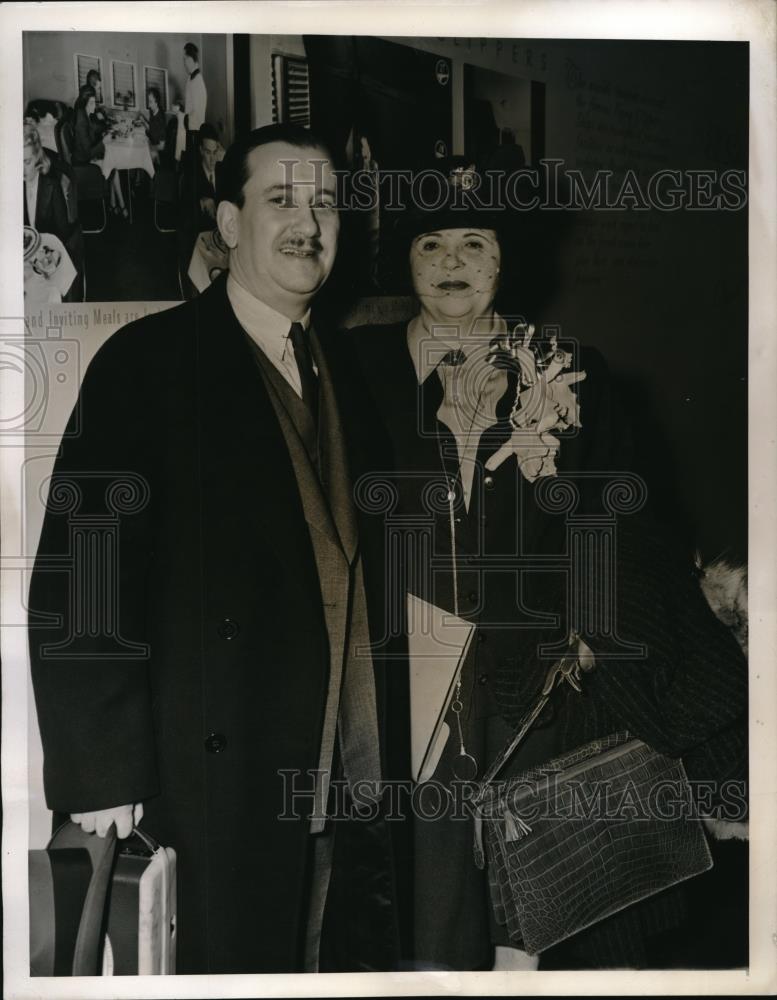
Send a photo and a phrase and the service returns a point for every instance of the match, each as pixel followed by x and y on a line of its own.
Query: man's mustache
pixel 301 243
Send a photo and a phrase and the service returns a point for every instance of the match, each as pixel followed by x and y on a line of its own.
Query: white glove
pixel 99 822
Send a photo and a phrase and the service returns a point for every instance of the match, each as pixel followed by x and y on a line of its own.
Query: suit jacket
pixel 686 696
pixel 54 215
pixel 213 676
pixel 192 220
pixel 196 186
pixel 51 213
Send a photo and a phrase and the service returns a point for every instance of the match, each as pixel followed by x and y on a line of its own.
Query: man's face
pixel 189 64
pixel 208 151
pixel 152 104
pixel 283 240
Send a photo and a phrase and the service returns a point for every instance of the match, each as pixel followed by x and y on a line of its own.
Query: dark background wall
pixel 663 295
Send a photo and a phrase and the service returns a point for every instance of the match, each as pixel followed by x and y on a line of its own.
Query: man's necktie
pixel 307 375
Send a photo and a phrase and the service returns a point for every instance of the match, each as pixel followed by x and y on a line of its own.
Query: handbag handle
pixel 578 657
pixel 567 669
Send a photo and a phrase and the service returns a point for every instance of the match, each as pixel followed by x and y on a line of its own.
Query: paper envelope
pixel 437 642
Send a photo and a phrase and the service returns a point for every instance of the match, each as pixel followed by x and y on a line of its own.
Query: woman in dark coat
pixel 88 145
pixel 668 672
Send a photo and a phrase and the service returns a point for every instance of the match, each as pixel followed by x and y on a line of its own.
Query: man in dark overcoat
pixel 203 588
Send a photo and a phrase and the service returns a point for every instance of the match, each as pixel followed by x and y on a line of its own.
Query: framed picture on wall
pixel 84 65
pixel 123 85
pixel 155 76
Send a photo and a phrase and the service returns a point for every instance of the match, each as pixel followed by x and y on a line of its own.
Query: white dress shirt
pixel 470 390
pixel 31 193
pixel 268 329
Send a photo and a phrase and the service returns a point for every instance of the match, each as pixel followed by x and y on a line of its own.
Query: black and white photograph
pixel 387 457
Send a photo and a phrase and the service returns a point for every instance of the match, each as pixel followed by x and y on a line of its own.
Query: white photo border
pixel 746 20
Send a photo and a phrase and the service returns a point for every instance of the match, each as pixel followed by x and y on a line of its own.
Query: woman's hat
pixel 448 195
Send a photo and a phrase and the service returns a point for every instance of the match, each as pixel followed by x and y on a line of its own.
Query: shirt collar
pixel 427 351
pixel 192 75
pixel 266 327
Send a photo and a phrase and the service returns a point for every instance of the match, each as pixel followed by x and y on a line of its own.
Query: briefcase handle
pixel 102 854
pixel 102 851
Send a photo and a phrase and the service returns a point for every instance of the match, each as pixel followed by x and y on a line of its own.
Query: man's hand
pixel 208 206
pixel 99 822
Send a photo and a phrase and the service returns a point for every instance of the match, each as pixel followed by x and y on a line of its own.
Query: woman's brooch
pixel 544 401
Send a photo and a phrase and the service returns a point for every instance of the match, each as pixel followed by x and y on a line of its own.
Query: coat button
pixel 228 629
pixel 215 742
pixel 488 482
pixel 482 637
pixel 483 679
pixel 472 597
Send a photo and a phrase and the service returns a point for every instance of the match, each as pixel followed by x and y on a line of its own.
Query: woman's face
pixel 91 104
pixel 456 271
pixel 30 162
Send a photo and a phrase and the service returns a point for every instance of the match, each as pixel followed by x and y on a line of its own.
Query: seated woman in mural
pixel 474 450
pixel 156 125
pixel 49 201
pixel 88 145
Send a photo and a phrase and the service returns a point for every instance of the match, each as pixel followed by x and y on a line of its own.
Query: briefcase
pixel 102 906
pixel 140 937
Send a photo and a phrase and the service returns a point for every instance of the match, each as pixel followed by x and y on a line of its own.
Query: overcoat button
pixel 483 679
pixel 228 629
pixel 489 482
pixel 472 597
pixel 482 637
pixel 215 742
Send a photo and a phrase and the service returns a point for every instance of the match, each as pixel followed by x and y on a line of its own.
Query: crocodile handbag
pixel 584 835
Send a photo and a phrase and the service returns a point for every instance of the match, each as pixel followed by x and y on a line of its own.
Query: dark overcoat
pixel 187 664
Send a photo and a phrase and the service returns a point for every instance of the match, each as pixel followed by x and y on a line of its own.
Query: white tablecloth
pixel 131 153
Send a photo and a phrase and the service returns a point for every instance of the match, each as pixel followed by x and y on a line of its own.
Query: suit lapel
pixel 334 458
pixel 245 463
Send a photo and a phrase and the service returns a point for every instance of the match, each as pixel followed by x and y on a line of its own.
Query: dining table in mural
pixel 127 148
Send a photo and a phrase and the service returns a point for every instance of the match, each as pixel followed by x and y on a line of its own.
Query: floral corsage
pixel 544 401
